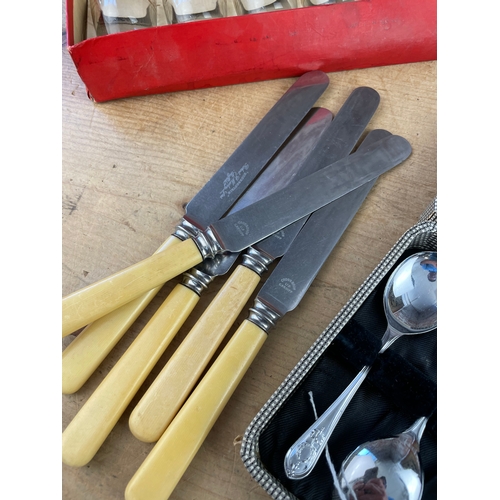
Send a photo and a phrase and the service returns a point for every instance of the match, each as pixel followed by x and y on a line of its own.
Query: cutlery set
pixel 209 205
pixel 128 15
pixel 284 197
pixel 410 305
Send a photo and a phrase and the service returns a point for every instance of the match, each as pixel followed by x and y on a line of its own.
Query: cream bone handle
pixel 159 474
pixel 172 386
pixel 95 301
pixel 92 424
pixel 82 357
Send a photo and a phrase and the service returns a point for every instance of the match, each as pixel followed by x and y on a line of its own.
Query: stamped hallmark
pixel 233 180
pixel 288 285
pixel 242 228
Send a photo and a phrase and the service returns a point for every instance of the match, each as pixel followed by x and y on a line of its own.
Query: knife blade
pixel 170 389
pixel 230 181
pixel 82 357
pixel 235 232
pixel 226 186
pixel 96 419
pixel 162 469
pixel 338 141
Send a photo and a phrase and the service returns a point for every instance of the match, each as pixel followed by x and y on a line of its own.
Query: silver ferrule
pixel 263 316
pixel 207 244
pixel 256 261
pixel 196 280
pixel 185 230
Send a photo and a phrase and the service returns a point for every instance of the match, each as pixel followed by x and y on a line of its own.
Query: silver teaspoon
pixel 386 468
pixel 410 306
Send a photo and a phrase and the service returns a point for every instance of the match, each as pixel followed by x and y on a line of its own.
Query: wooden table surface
pixel 129 168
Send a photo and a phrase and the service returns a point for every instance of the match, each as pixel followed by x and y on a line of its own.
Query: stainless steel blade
pixel 331 145
pixel 294 274
pixel 241 168
pixel 233 233
pixel 265 217
pixel 336 143
pixel 281 171
pixel 287 165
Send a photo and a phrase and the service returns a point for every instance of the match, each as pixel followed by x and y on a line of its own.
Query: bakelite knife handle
pixel 94 301
pixel 82 357
pixel 92 424
pixel 172 386
pixel 159 474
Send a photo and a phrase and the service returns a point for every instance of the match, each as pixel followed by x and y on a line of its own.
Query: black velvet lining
pixel 400 387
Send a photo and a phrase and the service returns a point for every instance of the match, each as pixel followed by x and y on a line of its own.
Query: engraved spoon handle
pixel 410 305
pixel 305 452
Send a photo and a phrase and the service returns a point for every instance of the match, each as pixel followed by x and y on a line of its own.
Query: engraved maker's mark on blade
pixel 242 228
pixel 233 180
pixel 279 235
pixel 288 285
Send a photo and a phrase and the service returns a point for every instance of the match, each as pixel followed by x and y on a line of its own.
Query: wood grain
pixel 129 168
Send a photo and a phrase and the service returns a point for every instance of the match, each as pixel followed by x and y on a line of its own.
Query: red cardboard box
pixel 255 47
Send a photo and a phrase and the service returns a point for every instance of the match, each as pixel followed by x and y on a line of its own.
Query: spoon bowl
pixel 410 306
pixel 410 298
pixel 386 468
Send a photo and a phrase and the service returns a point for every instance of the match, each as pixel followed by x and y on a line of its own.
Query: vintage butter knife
pixel 214 199
pixel 82 357
pixel 96 419
pixel 162 469
pixel 237 231
pixel 172 386
pixel 86 432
